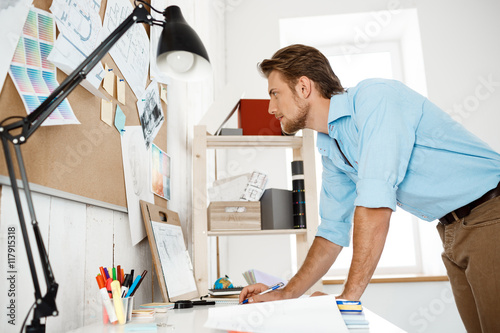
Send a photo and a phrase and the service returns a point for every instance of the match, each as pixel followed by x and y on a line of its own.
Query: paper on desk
pixel 309 314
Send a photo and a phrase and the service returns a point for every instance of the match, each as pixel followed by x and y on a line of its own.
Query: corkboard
pixel 80 159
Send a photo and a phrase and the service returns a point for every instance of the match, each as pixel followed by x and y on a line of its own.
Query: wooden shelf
pixel 302 149
pixel 257 232
pixel 249 141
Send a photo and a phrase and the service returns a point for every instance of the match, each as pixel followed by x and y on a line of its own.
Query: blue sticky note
pixel 120 120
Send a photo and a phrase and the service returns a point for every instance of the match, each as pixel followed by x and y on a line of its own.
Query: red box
pixel 254 118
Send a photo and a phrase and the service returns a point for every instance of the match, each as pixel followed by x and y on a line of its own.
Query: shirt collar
pixel 339 107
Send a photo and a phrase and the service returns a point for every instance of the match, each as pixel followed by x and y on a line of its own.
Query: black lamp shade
pixel 181 53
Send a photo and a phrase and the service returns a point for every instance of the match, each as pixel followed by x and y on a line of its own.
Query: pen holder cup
pixel 128 306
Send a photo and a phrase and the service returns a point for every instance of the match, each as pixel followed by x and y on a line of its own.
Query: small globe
pixel 223 283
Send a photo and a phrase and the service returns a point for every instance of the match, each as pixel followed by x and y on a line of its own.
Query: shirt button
pixel 424 216
pixel 400 205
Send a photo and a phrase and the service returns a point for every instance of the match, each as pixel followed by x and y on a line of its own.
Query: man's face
pixel 286 105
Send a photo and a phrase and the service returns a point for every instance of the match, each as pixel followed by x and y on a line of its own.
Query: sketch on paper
pixel 131 52
pixel 12 16
pixel 160 172
pixel 136 173
pixel 174 258
pixel 33 75
pixel 150 113
pixel 80 26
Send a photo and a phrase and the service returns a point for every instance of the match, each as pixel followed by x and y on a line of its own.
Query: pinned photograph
pixel 150 113
pixel 160 172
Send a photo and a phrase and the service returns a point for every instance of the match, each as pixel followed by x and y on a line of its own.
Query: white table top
pixel 192 320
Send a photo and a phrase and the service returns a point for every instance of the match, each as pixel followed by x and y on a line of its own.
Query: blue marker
pixel 273 288
pixel 131 289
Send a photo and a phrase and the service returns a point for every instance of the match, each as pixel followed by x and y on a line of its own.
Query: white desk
pixel 192 321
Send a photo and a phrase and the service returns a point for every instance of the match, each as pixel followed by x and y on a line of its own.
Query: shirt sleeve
pixel 387 123
pixel 336 204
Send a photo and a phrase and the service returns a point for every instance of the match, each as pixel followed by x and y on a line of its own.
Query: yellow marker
pixel 117 301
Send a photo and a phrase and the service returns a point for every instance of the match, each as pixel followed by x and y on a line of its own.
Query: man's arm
pixel 370 229
pixel 319 259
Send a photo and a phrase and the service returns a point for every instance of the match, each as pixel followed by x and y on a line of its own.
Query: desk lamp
pixel 181 55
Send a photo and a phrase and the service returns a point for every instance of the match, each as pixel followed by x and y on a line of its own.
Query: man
pixel 384 145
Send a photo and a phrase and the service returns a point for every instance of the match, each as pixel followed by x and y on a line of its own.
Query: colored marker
pixel 105 299
pixel 101 269
pixel 143 275
pixel 106 274
pixel 117 301
pixel 108 287
pixel 134 285
pixel 114 273
pixel 125 285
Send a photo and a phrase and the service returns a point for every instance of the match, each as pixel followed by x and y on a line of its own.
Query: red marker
pixel 108 287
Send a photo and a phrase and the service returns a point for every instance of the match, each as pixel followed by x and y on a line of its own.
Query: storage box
pixel 277 209
pixel 254 118
pixel 234 215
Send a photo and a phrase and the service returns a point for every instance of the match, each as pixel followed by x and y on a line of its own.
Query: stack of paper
pixel 352 314
pixel 157 307
pixel 253 276
pixel 246 187
pixel 143 314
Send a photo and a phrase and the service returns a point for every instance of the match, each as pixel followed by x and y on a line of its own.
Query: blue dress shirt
pixel 401 150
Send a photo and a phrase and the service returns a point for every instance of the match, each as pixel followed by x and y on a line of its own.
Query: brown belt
pixel 463 211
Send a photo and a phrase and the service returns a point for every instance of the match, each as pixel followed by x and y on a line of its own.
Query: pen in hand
pixel 273 288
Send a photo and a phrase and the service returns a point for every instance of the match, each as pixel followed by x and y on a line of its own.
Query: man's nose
pixel 272 107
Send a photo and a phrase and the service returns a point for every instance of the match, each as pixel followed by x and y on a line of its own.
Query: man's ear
pixel 304 87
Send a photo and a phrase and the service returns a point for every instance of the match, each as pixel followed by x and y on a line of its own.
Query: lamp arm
pixel 46 306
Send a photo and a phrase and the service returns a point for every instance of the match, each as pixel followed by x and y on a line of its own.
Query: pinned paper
pixel 121 90
pixel 120 120
pixel 109 81
pixel 107 112
pixel 163 93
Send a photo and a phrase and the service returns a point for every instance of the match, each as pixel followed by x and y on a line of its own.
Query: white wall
pixel 69 229
pixel 460 53
pixel 80 237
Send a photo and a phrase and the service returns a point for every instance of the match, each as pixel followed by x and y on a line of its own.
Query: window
pixel 361 50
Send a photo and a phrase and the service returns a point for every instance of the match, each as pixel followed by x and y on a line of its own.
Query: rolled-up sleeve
pixel 386 123
pixel 336 204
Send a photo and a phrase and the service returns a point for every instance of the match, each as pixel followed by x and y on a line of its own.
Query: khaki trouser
pixel 472 258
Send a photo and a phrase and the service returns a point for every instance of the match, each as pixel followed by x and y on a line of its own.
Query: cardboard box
pixel 234 215
pixel 277 209
pixel 254 118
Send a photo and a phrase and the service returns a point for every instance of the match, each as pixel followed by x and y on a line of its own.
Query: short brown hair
pixel 299 60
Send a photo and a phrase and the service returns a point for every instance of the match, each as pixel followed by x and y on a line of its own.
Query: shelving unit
pixel 303 149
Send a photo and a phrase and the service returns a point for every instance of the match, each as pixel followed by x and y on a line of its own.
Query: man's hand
pixel 252 293
pixel 319 259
